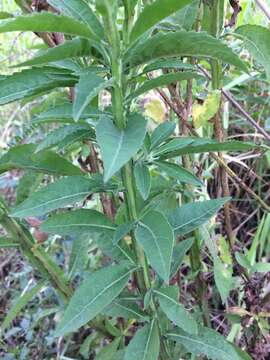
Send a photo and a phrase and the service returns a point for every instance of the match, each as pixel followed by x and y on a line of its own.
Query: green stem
pixel 35 254
pixel 120 121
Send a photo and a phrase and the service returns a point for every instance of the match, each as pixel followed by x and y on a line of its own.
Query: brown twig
pixel 220 162
pixel 242 111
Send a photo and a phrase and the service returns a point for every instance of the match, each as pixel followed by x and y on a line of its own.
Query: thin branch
pixel 242 111
pixel 220 162
pixel 264 7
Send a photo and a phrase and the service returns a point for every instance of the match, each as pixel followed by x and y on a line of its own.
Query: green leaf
pixel 92 296
pixel 190 216
pixel 118 146
pixel 256 40
pixel 185 18
pixel 121 231
pixel 223 278
pixel 184 146
pixel 32 82
pixel 169 302
pixel 7 242
pixel 47 22
pixel 119 252
pixel 88 87
pixel 65 136
pixel 173 146
pixel 182 43
pixel 261 267
pixel 65 113
pixel 243 261
pixel 161 133
pixel 108 352
pixel 143 179
pixel 178 172
pixel 168 64
pixel 28 183
pixel 152 14
pixel 5 15
pixel 69 49
pixel 119 355
pixel 78 222
pixel 61 193
pixel 179 252
pixel 125 309
pixel 208 343
pixel 24 157
pixel 79 256
pixel 162 81
pixel 145 344
pixel 155 235
pixel 21 302
pixel 80 10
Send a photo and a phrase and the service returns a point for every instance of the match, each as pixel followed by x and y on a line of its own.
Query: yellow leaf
pixel 155 110
pixel 202 113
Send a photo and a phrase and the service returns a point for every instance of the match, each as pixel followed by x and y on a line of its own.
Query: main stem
pixel 143 278
pixel 219 134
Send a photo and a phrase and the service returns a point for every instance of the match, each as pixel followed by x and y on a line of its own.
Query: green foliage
pixel 145 344
pixel 155 235
pixel 94 294
pixel 118 146
pixel 99 174
pixel 182 43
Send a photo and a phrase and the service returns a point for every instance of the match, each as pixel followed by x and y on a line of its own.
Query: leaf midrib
pixel 96 297
pixel 157 245
pixel 197 218
pixel 200 343
pixel 50 202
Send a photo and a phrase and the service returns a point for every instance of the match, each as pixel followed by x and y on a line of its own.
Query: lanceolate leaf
pixel 179 252
pixel 257 42
pixel 173 146
pixel 65 114
pixel 65 136
pixel 163 80
pixel 154 13
pixel 69 49
pixel 168 64
pixel 108 352
pixel 168 300
pixel 208 343
pixel 143 179
pixel 125 309
pixel 178 172
pixel 190 216
pixel 86 90
pixel 61 193
pixel 24 157
pixel 47 22
pixel 156 237
pixel 80 10
pixel 183 146
pixel 33 82
pixel 182 43
pixel 78 256
pixel 118 146
pixel 78 221
pixel 121 231
pixel 145 344
pixel 93 295
pixel 161 133
pixel 22 301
